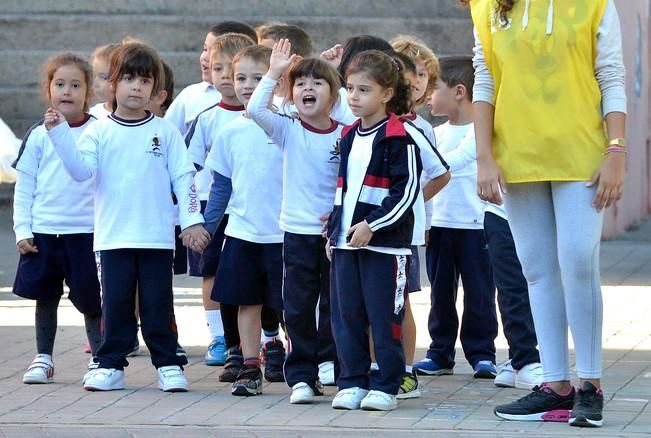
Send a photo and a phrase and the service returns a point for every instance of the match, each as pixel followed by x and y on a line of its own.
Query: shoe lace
pixel 586 399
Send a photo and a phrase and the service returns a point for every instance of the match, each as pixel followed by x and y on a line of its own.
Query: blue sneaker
pixel 427 367
pixel 216 354
pixel 485 369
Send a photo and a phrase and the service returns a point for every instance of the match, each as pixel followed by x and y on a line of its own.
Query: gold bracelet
pixel 621 142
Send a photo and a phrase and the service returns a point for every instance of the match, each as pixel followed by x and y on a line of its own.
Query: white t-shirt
pixel 243 152
pixel 137 163
pixel 358 160
pixel 200 138
pixel 58 204
pixel 457 205
pixel 310 163
pixel 99 111
pixel 341 111
pixel 423 134
pixel 190 102
pixel 9 146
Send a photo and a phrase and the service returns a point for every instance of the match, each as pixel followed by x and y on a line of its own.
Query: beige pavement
pixel 455 405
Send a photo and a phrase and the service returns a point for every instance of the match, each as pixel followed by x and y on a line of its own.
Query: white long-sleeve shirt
pixel 136 163
pixel 609 66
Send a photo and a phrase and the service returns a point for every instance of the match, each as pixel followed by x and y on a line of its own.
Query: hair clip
pixel 396 65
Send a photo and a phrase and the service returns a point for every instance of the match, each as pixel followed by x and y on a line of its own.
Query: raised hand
pixel 281 58
pixel 333 55
pixel 53 118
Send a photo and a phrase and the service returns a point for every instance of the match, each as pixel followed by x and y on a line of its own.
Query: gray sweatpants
pixel 557 234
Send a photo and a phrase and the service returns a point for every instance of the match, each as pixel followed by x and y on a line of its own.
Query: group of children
pixel 303 187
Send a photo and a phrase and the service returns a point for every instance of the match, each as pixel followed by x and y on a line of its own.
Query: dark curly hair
pixel 503 7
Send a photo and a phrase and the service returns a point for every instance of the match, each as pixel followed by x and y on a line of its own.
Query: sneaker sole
pixel 245 392
pixel 374 407
pixel 441 372
pixel 213 362
pixel 97 388
pixel 407 395
pixel 528 386
pixel 175 389
pixel 484 375
pixel 35 381
pixel 555 416
pixel 345 406
pixel 585 422
pixel 301 401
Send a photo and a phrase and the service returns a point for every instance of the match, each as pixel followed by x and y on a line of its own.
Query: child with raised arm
pixel 310 166
pixel 199 140
pixel 247 178
pixel 53 219
pixel 370 231
pixel 135 158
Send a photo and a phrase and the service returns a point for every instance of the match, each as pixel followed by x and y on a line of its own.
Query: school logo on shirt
pixel 334 153
pixel 155 148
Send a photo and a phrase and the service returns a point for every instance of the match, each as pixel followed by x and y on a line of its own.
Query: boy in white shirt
pixel 135 158
pixel 248 179
pixel 199 140
pixel 456 241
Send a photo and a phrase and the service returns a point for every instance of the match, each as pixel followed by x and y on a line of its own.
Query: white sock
pixel 409 368
pixel 374 366
pixel 215 326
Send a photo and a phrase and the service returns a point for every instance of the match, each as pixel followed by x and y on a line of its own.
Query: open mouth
pixel 309 100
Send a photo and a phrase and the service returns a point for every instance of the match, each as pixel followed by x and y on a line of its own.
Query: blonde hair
pixel 417 50
pixel 229 44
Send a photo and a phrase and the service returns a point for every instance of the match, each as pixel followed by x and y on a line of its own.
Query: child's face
pixel 312 97
pixel 204 59
pixel 133 94
pixel 247 74
pixel 267 42
pixel 422 79
pixel 68 91
pixel 222 74
pixel 442 100
pixel 365 96
pixel 156 103
pixel 410 76
pixel 101 88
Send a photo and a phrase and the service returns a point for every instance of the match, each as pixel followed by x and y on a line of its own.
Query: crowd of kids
pixel 303 188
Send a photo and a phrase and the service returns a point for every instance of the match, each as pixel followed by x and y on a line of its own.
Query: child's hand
pixel 333 55
pixel 26 246
pixel 53 118
pixel 281 58
pixel 195 237
pixel 328 250
pixel 610 180
pixel 360 235
pixel 324 227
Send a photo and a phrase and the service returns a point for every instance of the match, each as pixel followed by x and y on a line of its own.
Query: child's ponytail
pixel 400 103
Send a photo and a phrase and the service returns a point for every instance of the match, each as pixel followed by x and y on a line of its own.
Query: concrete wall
pixel 636 204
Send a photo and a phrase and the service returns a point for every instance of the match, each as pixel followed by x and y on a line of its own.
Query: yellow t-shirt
pixel 548 123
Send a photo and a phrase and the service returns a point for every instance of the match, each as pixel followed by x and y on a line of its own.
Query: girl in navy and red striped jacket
pixel 370 232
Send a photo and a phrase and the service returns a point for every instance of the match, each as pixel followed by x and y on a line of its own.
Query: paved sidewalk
pixel 455 405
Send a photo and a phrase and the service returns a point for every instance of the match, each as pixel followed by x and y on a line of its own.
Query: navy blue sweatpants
pixel 368 292
pixel 151 270
pixel 306 283
pixel 451 253
pixel 512 292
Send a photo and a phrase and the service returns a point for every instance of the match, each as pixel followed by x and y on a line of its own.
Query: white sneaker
pixel 327 373
pixel 41 370
pixel 104 379
pixel 379 401
pixel 92 365
pixel 349 398
pixel 529 376
pixel 302 393
pixel 172 379
pixel 505 376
